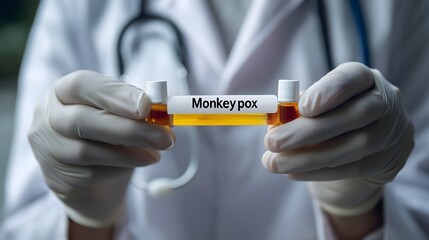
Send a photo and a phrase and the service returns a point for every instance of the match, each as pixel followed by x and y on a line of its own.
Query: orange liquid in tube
pixel 287 110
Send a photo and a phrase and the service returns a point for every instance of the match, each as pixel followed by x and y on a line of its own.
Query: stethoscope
pixel 160 186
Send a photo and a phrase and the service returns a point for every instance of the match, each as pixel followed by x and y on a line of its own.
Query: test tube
pixel 157 91
pixel 287 109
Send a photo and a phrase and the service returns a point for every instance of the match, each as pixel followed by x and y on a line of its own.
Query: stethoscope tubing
pixel 359 22
pixel 142 18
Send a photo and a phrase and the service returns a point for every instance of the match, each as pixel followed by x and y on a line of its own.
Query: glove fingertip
pixel 268 163
pixel 143 105
pixel 306 107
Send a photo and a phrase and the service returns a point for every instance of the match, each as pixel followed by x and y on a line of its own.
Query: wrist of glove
pixel 346 197
pixel 352 138
pixel 88 137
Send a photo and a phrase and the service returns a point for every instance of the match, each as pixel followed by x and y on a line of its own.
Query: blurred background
pixel 16 17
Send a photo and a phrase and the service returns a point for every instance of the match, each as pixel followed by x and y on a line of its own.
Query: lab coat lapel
pixel 259 25
pixel 197 23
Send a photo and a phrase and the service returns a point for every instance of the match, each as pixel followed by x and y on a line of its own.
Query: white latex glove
pixel 352 138
pixel 88 137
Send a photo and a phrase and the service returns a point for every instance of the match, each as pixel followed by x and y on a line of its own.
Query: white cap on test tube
pixel 157 91
pixel 288 91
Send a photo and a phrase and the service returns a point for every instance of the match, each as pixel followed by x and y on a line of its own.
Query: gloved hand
pixel 352 138
pixel 88 137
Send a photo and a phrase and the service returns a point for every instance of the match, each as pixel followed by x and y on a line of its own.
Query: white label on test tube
pixel 225 104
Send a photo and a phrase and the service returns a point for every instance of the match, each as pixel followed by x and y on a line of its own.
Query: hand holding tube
pixel 354 136
pixel 88 137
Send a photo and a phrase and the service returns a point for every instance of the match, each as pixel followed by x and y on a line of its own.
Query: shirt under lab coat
pixel 232 195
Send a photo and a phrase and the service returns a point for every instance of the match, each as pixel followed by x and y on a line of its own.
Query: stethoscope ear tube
pixel 360 27
pixel 143 17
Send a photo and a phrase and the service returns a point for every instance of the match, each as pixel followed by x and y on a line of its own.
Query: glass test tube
pixel 287 109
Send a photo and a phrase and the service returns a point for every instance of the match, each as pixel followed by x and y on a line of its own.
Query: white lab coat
pixel 232 195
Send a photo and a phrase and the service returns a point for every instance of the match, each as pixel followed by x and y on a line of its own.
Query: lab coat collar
pixel 196 21
pixel 260 24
